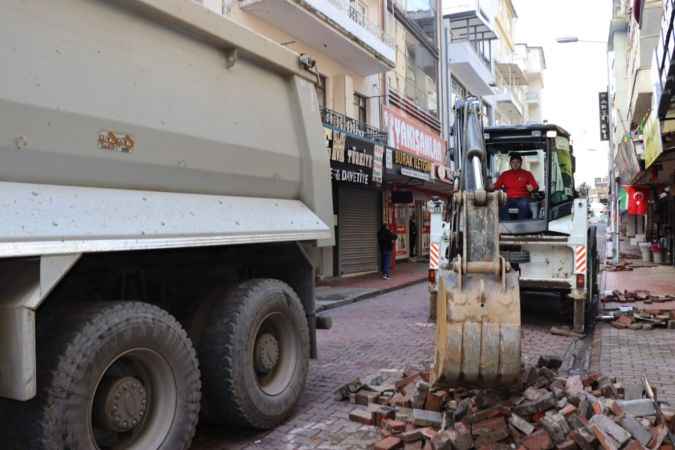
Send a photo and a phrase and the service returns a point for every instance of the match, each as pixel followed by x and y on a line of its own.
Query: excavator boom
pixel 478 296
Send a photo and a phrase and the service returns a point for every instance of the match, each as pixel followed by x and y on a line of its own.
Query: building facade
pixel 642 167
pixel 377 66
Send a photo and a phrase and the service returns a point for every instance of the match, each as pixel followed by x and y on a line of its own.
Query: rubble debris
pixel 640 295
pixel 544 411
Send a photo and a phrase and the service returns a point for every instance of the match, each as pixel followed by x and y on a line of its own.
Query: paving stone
pixel 521 424
pixel 539 440
pixel 424 418
pixel 607 425
pixel 361 416
pixel 635 428
pixel 638 408
pixel 390 443
pixel 584 439
pixel 557 427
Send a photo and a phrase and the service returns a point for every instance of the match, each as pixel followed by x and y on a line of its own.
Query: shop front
pixel 356 172
pixel 415 171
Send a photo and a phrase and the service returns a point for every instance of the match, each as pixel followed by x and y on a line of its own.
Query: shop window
pixel 321 91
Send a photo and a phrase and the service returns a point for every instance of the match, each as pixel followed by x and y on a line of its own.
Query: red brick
pixel 435 400
pixel 395 426
pixel 417 445
pixel 539 440
pixel 633 445
pixel 567 445
pixel 489 431
pixel 412 435
pixel 389 443
pixel 617 409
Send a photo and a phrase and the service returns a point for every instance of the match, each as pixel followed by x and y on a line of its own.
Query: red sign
pixel 409 134
pixel 637 200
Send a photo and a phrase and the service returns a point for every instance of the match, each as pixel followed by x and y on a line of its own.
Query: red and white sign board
pixel 410 135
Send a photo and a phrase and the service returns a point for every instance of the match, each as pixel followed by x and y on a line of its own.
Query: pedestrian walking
pixel 386 239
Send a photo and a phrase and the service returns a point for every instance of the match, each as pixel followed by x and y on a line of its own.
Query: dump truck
pixel 165 196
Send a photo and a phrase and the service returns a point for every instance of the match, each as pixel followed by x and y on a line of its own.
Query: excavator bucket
pixel 478 303
pixel 478 329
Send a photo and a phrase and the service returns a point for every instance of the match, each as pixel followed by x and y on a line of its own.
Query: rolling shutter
pixel 357 230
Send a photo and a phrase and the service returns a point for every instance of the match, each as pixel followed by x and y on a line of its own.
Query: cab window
pixel 562 175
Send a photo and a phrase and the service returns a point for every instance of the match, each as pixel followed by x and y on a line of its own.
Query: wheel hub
pixel 266 353
pixel 121 404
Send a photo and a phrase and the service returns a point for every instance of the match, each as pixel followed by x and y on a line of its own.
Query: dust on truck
pixel 164 193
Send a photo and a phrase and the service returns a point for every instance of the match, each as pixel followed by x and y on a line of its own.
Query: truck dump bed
pixel 161 96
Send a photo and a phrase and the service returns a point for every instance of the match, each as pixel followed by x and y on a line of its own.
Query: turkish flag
pixel 637 200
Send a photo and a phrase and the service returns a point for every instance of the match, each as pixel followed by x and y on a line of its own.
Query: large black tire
pixel 77 345
pixel 235 390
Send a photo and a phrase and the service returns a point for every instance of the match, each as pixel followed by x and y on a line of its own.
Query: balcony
pixel 533 97
pixel 351 126
pixel 470 50
pixel 513 68
pixel 643 39
pixel 333 27
pixel 510 100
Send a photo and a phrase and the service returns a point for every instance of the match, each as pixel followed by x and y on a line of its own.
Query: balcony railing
pixel 361 19
pixel 354 127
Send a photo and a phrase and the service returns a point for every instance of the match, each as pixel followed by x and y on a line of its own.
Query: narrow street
pixel 388 331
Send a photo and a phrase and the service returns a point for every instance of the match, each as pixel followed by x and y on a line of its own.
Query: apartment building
pixel 640 49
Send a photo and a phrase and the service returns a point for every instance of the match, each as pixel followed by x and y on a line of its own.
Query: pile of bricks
pixel 641 318
pixel 543 411
pixel 644 296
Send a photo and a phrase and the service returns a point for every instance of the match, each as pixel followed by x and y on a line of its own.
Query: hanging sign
pixel 603 101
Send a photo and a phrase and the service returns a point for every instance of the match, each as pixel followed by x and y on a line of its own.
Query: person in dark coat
pixel 413 237
pixel 386 239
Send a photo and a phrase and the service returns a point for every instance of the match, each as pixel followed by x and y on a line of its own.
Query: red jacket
pixel 515 182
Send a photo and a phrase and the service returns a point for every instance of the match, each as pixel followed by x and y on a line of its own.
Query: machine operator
pixel 518 184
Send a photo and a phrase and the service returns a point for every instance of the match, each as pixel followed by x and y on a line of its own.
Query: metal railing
pixel 354 127
pixel 362 20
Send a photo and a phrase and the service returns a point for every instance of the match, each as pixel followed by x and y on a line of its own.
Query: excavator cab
pixel 547 154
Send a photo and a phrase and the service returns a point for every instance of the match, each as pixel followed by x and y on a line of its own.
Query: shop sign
pixel 410 135
pixel 351 159
pixel 603 101
pixel 378 154
pixel 425 176
pixel 412 161
pixel 653 144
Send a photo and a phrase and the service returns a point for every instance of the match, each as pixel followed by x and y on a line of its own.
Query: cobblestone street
pixel 631 354
pixel 389 331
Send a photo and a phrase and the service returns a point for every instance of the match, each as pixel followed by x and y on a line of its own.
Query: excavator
pixel 479 263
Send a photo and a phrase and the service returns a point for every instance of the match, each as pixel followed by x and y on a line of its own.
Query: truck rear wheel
pixel 254 354
pixel 119 375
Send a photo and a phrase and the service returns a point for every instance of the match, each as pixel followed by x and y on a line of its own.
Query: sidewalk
pixel 341 291
pixel 631 354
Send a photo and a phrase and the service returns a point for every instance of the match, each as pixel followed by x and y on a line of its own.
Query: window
pixel 321 91
pixel 358 12
pixel 420 72
pixel 562 172
pixel 360 108
pixel 533 162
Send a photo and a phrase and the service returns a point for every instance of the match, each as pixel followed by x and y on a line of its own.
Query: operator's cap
pixel 515 156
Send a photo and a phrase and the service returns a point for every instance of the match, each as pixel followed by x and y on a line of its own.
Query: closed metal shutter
pixel 357 230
